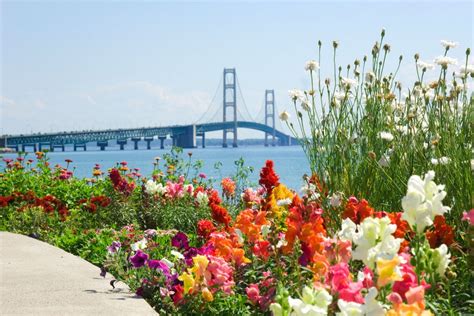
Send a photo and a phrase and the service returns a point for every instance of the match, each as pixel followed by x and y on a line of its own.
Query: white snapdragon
pixel 152 188
pixel 371 307
pixel 348 229
pixel 202 198
pixel 284 116
pixel 139 245
pixel 423 201
pixel 313 302
pixel 445 61
pixel 349 308
pixel 441 258
pixel 374 239
pixel 386 136
pixel 336 199
pixel 311 65
pixel 448 44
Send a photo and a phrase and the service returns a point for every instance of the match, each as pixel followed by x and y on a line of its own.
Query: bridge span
pixel 184 136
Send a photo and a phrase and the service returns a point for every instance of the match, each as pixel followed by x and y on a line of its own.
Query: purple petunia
pixel 114 247
pixel 180 241
pixel 139 259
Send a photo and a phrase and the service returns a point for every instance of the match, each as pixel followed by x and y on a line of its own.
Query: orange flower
pixel 250 223
pixel 356 210
pixel 228 187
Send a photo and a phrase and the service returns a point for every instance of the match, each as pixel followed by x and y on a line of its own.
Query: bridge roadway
pixel 182 136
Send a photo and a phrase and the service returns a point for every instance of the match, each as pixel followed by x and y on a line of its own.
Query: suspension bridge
pixel 223 114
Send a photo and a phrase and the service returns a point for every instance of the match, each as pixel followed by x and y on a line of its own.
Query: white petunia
pixel 139 245
pixel 386 136
pixel 448 44
pixel 423 201
pixel 311 65
pixel 177 254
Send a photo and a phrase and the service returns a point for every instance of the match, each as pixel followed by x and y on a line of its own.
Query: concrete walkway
pixel 39 279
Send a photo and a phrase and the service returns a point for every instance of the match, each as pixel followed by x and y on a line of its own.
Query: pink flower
pixel 339 276
pixel 395 298
pixel 253 293
pixel 352 293
pixel 174 190
pixel 468 216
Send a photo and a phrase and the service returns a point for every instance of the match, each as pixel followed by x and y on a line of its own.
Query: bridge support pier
pixel 81 145
pixel 103 144
pixel 148 142
pixel 203 143
pixel 24 146
pixel 41 145
pixel 162 141
pixel 3 142
pixel 136 140
pixel 122 143
pixel 53 146
pixel 188 138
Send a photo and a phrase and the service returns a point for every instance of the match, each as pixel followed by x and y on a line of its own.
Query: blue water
pixel 290 162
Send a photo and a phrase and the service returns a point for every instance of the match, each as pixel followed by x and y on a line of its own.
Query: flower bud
pixel 335 44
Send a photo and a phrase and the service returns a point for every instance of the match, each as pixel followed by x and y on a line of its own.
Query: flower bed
pixel 383 226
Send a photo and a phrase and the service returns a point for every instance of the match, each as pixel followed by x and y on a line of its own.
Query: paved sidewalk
pixel 39 279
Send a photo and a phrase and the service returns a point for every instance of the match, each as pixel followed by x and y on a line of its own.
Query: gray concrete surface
pixel 39 279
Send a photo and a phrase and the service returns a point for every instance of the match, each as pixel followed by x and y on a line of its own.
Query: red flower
pixel 357 211
pixel 220 214
pixel 268 177
pixel 205 228
pixel 5 200
pixel 260 249
pixel 441 233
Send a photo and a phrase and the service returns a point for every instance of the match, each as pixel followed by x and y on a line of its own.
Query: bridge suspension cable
pixel 249 117
pixel 211 108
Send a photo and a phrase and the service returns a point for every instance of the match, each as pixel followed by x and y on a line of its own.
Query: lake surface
pixel 290 162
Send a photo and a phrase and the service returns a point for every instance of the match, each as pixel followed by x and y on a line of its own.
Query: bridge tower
pixel 270 115
pixel 230 101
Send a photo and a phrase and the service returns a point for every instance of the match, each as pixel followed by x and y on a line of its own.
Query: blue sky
pixel 80 65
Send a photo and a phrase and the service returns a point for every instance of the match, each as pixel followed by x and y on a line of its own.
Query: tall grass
pixel 365 135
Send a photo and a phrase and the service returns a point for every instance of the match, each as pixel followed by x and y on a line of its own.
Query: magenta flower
pixel 180 241
pixel 160 265
pixel 202 175
pixel 139 259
